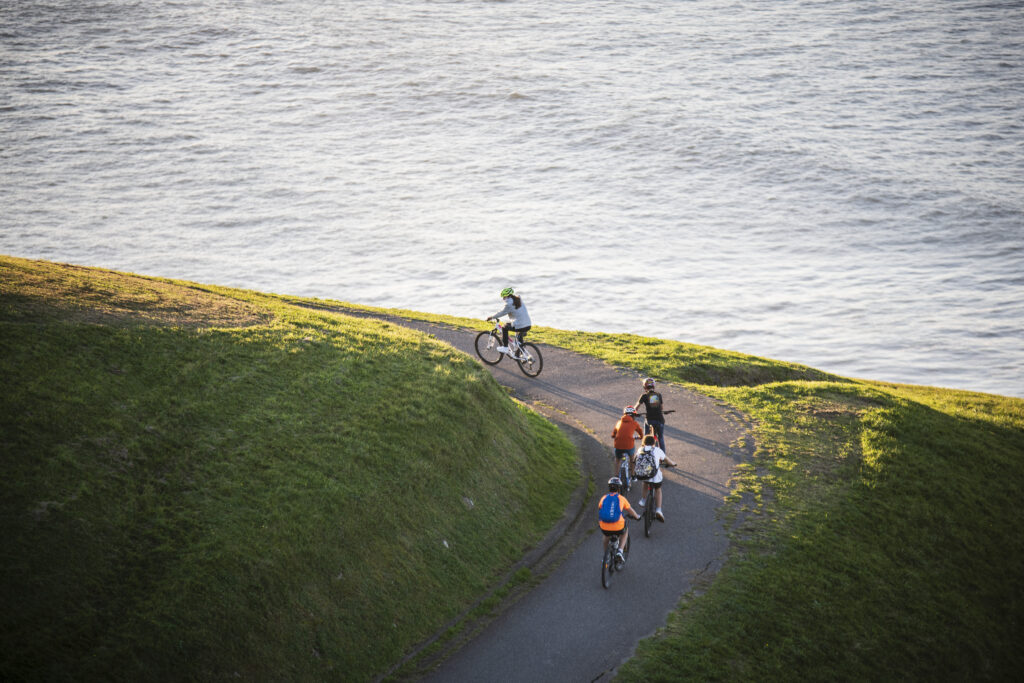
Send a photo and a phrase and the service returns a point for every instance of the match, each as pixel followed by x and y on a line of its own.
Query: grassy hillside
pixel 877 535
pixel 184 466
pixel 199 482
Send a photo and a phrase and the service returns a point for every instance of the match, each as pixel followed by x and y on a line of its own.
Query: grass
pixel 876 534
pixel 201 483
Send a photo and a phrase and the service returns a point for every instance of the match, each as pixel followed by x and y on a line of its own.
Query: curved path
pixel 569 628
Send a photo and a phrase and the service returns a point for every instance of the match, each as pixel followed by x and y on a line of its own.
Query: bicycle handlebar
pixel 664 412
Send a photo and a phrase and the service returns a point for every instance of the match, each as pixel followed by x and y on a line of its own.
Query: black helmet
pixel 614 485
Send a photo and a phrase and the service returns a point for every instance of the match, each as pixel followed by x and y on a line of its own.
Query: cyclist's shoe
pixel 620 559
pixel 502 349
pixel 643 502
pixel 660 517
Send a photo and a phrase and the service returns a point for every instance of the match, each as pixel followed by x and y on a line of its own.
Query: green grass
pixel 197 485
pixel 877 533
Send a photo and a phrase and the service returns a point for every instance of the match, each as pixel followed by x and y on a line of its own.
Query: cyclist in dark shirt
pixel 652 401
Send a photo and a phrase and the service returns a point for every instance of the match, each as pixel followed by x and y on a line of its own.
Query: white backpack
pixel 646 464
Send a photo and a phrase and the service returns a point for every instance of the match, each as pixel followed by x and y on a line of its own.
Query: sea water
pixel 839 184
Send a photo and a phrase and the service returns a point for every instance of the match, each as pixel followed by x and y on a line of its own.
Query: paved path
pixel 569 628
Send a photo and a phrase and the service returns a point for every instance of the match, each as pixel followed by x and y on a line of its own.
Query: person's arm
pixel 638 430
pixel 669 462
pixel 504 311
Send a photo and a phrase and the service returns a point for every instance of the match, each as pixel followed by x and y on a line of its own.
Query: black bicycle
pixel 527 355
pixel 648 503
pixel 610 563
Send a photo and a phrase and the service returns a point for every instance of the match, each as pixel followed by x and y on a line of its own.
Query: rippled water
pixel 831 183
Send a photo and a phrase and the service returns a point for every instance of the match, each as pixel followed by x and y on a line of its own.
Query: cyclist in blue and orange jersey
pixel 618 526
pixel 515 309
pixel 625 430
pixel 655 405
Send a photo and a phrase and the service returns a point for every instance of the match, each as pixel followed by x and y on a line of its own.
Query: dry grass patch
pixel 38 291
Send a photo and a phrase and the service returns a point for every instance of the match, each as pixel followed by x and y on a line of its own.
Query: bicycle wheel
pixel 607 567
pixel 487 348
pixel 530 360
pixel 649 513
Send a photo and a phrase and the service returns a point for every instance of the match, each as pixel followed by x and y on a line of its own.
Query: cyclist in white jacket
pixel 519 319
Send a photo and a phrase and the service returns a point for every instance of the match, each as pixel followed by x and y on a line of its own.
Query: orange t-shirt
pixel 623 505
pixel 624 430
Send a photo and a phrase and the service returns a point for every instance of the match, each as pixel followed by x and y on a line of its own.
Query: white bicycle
pixel 527 355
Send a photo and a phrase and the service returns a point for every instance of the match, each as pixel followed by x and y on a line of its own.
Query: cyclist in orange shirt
pixel 616 527
pixel 623 435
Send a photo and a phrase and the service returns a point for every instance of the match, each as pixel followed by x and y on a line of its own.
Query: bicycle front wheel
pixel 487 344
pixel 530 360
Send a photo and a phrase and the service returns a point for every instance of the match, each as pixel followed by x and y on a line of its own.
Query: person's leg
pixel 659 431
pixel 504 336
pixel 620 454
pixel 625 540
pixel 657 502
pixel 643 494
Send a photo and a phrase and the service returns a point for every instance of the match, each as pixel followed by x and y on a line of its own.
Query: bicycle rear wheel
pixel 487 344
pixel 607 567
pixel 530 360
pixel 624 474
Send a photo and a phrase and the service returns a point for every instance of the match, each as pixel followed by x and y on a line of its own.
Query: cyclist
pixel 625 430
pixel 654 404
pixel 519 319
pixel 618 526
pixel 655 481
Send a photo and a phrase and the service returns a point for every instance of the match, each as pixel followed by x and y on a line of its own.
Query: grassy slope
pixel 195 485
pixel 877 534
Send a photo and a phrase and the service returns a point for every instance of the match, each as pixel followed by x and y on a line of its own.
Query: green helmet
pixel 507 292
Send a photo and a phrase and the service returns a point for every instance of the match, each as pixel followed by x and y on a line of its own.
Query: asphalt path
pixel 569 628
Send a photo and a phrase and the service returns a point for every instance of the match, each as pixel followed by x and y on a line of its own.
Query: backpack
pixel 610 511
pixel 646 465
